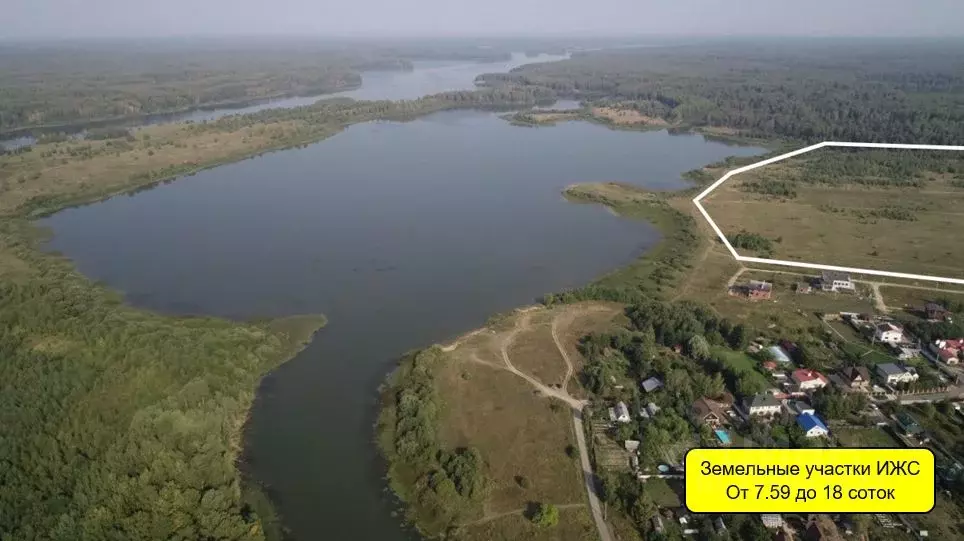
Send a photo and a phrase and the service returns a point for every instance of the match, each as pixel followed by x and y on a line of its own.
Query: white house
pixel 763 404
pixel 893 374
pixel 889 333
pixel 809 380
pixel 836 281
pixel 622 413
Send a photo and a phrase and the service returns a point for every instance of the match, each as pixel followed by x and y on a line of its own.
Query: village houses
pixel 948 351
pixel 836 281
pixel 763 404
pixel 812 426
pixel 808 380
pixel 711 412
pixel 888 333
pixel 893 374
pixel 856 378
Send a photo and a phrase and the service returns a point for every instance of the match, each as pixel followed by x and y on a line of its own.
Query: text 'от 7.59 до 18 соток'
pixel 810 480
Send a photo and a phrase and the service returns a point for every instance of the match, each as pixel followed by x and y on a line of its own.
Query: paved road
pixel 589 477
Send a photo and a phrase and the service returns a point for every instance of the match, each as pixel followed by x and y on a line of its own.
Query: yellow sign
pixel 810 480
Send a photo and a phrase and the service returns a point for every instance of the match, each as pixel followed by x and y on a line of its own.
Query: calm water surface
pixel 403 234
pixel 427 77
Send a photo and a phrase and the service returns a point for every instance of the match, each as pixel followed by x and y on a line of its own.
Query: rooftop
pixel 802 374
pixel 764 400
pixel 808 421
pixel 830 276
pixel 890 369
pixel 779 354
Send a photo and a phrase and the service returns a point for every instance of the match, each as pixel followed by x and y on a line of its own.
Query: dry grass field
pixel 858 221
pixel 523 435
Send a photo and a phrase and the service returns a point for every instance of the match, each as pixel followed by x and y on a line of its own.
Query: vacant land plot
pixel 575 524
pixel 576 324
pixel 534 352
pixel 867 210
pixel 521 436
pixel 524 436
pixel 858 436
pixel 911 300
pixel 664 493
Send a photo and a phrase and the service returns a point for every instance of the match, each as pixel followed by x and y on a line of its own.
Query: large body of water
pixel 403 234
pixel 427 77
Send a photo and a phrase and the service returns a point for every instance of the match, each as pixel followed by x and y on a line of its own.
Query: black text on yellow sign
pixel 810 480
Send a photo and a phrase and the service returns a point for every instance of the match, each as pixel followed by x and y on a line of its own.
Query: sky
pixel 398 18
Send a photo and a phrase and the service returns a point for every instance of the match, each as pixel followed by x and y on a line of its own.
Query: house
pixel 856 378
pixel 652 384
pixel 631 445
pixel 948 351
pixel 652 408
pixel 893 374
pixel 904 352
pixel 757 290
pixel 710 412
pixel 936 312
pixel 780 355
pixel 771 521
pixel 658 524
pixel 812 426
pixel 763 404
pixel 808 380
pixel 889 333
pixel 799 407
pixel 836 281
pixel 622 413
pixel 907 424
pixel 803 288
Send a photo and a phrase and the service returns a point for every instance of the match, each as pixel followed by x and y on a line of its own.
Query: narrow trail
pixel 497 516
pixel 521 323
pixel 879 298
pixel 735 277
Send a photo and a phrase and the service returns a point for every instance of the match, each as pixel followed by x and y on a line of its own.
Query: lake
pixel 426 77
pixel 403 234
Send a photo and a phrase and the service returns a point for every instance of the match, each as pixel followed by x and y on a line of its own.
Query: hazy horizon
pixel 75 19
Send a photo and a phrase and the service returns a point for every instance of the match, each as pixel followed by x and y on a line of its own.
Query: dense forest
pixel 117 423
pixel 897 91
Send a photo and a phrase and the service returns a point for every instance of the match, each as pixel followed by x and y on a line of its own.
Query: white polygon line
pixel 801 264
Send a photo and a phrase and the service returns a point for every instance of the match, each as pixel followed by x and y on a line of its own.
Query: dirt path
pixel 522 323
pixel 497 516
pixel 735 277
pixel 879 298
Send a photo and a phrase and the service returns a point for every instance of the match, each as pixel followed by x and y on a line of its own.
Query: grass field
pixel 910 300
pixel 855 436
pixel 575 524
pixel 534 352
pixel 740 363
pixel 856 221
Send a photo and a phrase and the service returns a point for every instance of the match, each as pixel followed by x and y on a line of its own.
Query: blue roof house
pixel 812 426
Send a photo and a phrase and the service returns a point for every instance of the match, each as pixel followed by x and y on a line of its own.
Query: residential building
pixel 757 290
pixel 893 374
pixel 763 404
pixel 888 333
pixel 771 521
pixel 631 445
pixel 799 407
pixel 836 281
pixel 710 412
pixel 857 378
pixel 622 413
pixel 808 380
pixel 812 426
pixel 936 312
pixel 948 351
pixel 907 424
pixel 652 384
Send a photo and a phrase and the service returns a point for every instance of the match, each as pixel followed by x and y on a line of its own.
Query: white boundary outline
pixel 805 265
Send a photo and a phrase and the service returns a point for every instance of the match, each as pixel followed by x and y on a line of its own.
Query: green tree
pixel 698 348
pixel 546 515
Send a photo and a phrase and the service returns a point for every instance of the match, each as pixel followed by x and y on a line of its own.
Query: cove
pixel 402 234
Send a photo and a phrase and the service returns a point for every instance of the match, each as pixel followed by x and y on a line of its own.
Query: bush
pixel 546 515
